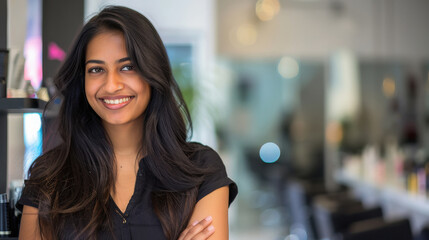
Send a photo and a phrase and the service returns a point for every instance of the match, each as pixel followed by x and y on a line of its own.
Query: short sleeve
pixel 28 197
pixel 217 178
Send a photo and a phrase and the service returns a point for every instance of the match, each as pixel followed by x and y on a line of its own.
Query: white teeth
pixel 117 101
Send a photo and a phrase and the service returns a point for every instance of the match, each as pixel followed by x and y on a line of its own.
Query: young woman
pixel 124 168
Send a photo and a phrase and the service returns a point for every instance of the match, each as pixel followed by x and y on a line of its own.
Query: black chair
pixel 329 211
pixel 341 220
pixel 424 234
pixel 377 229
pixel 299 196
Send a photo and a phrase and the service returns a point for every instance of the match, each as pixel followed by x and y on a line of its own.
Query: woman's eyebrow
pixel 123 59
pixel 94 61
pixel 102 62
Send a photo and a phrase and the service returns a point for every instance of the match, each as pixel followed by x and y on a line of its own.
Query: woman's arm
pixel 214 205
pixel 29 224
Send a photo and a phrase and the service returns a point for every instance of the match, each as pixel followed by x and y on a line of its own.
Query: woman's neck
pixel 126 140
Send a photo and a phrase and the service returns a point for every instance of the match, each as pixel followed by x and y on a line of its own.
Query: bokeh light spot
pixel 267 9
pixel 292 237
pixel 269 152
pixel 389 87
pixel 334 133
pixel 288 67
pixel 247 34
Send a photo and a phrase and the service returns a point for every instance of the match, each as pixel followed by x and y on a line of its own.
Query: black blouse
pixel 139 220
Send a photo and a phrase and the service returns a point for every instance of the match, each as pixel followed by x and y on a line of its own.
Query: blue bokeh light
pixel 32 139
pixel 269 152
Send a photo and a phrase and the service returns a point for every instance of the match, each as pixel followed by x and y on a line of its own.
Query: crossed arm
pixel 210 217
pixel 208 221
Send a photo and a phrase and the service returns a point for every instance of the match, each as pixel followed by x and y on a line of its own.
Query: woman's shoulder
pixel 216 176
pixel 205 156
pixel 36 183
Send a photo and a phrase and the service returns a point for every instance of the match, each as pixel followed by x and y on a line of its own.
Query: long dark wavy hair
pixel 74 179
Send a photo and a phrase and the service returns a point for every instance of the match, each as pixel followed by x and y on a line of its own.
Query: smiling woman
pixel 114 89
pixel 124 169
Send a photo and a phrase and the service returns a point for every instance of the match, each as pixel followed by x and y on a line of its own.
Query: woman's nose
pixel 113 82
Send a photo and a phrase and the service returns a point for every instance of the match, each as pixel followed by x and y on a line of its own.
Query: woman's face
pixel 116 92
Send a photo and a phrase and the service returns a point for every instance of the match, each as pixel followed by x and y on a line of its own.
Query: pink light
pixel 55 52
pixel 33 61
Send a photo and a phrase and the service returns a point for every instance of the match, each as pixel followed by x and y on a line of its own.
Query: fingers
pixel 198 230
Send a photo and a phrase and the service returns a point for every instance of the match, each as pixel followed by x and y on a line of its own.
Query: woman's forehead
pixel 107 45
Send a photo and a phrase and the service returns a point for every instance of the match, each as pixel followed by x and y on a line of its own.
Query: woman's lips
pixel 115 103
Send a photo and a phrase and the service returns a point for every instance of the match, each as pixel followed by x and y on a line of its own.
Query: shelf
pixel 13 105
pixel 21 105
pixel 396 202
pixel 413 202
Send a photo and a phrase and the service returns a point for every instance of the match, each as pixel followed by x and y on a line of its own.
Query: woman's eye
pixel 95 70
pixel 127 68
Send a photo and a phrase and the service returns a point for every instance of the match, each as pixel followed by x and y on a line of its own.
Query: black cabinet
pixel 13 105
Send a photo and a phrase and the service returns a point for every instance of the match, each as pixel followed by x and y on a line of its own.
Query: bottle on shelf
pixel 29 90
pixel 4 216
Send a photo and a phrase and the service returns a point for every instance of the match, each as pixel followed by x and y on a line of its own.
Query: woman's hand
pixel 198 230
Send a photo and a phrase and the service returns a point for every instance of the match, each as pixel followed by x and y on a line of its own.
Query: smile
pixel 117 101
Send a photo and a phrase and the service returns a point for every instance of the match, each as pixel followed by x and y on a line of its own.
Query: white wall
pixel 314 29
pixel 17 23
pixel 16 33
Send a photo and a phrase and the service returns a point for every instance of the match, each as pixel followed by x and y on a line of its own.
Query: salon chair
pixel 377 229
pixel 335 212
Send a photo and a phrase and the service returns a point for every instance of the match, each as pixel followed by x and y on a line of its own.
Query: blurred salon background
pixel 318 108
